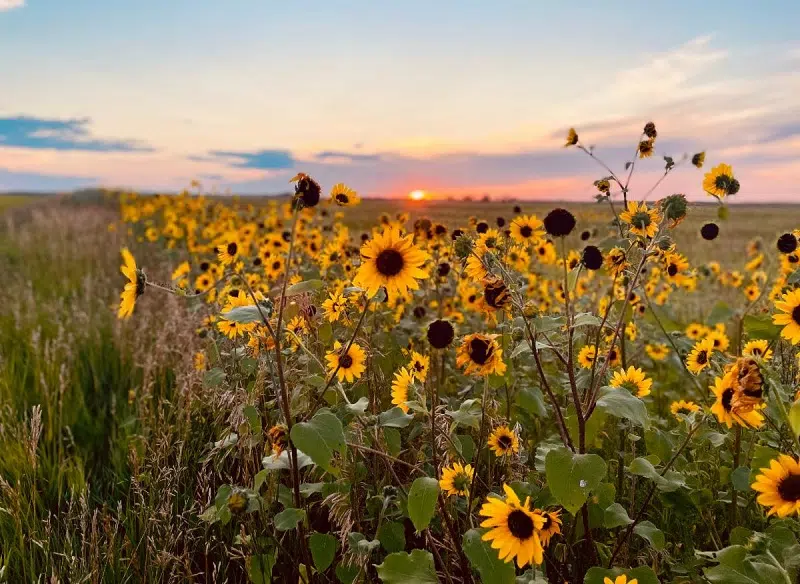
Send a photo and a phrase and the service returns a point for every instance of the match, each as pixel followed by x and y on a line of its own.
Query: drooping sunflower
pixel 496 293
pixel 698 159
pixel 134 287
pixel 419 365
pixel 647 148
pixel 789 317
pixel 526 229
pixel 402 381
pixel 656 351
pixel 719 181
pixel 779 486
pixel 513 528
pixel 700 356
pixel 643 221
pixel 503 441
pixel 480 355
pixel 551 527
pixel 392 261
pixel 723 406
pixel 349 365
pixel 759 348
pixel 683 407
pixel 457 479
pixel 633 379
pixel 572 138
pixel 344 196
pixel 748 386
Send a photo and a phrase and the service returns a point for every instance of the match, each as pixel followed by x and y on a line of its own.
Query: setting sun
pixel 416 195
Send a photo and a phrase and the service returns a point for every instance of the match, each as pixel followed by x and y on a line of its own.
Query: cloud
pixel 6 5
pixel 33 181
pixel 56 134
pixel 261 159
pixel 339 156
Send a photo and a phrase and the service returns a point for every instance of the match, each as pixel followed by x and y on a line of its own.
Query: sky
pixel 455 97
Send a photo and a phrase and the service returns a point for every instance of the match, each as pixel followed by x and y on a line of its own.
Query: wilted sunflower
pixel 278 437
pixel 646 148
pixel 480 355
pixel 457 479
pixel 700 356
pixel 748 386
pixel 344 196
pixel 572 138
pixel 513 528
pixel 402 381
pixel 551 527
pixel 503 441
pixel 526 229
pixel 759 348
pixel 683 407
pixel 634 380
pixel 643 221
pixel 698 159
pixel 779 486
pixel 495 293
pixel 348 366
pixel 723 407
pixel 719 182
pixel 392 261
pixel 789 305
pixel 134 287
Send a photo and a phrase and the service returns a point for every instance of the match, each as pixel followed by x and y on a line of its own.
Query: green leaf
pixel 586 319
pixel 319 438
pixel 616 516
pixel 543 324
pixel 392 536
pixel 347 573
pixel 720 313
pixel 289 518
pixel 393 440
pixel 794 418
pixel 643 574
pixel 254 419
pixel 259 568
pixel 671 481
pixel 213 378
pixel 358 407
pixel 735 567
pixel 323 549
pixel 394 418
pixel 245 314
pixel 571 477
pixel 402 568
pixel 483 558
pixel 651 533
pixel 761 327
pixel 422 501
pixel 468 414
pixel 740 479
pixel 531 400
pixel 623 404
pixel 303 287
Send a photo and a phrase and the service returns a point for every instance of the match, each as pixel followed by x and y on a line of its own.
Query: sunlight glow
pixel 416 195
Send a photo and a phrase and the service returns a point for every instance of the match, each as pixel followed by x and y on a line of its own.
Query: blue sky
pixel 453 97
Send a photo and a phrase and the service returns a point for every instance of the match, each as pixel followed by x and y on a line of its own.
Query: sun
pixel 417 195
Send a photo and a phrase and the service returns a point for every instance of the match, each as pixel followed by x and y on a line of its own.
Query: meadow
pixel 348 390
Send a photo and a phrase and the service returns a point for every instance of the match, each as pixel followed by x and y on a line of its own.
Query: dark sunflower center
pixel 756 351
pixel 672 269
pixel 796 314
pixel 548 521
pixel 520 524
pixel 480 350
pixel 345 361
pixel 389 262
pixel 418 366
pixel 702 357
pixel 342 197
pixel 526 231
pixel 505 442
pixel 641 220
pixel 789 488
pixel 276 265
pixel 727 396
pixel 722 182
pixel 232 248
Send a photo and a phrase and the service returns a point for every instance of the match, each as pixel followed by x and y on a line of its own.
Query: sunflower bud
pixel 237 501
pixel 530 310
pixel 463 247
pixel 674 208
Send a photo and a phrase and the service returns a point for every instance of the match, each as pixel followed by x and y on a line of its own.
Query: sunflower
pixel 748 386
pixel 643 221
pixel 723 407
pixel 334 306
pixel 134 287
pixel 526 229
pixel 495 293
pixel 419 366
pixel 344 196
pixel 233 329
pixel 720 340
pixel 683 407
pixel 228 251
pixel 586 356
pixel 616 261
pixel 199 361
pixel 719 182
pixel 656 351
pixel 278 438
pixel 392 261
pixel 347 366
pixel 621 579
pixel 779 486
pixel 457 479
pixel 480 355
pixel 758 349
pixel 696 331
pixel 503 441
pixel 514 528
pixel 646 148
pixel 634 380
pixel 551 527
pixel 402 381
pixel 789 305
pixel 700 356
pixel 572 138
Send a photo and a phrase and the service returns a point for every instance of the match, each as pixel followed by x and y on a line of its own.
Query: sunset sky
pixel 453 97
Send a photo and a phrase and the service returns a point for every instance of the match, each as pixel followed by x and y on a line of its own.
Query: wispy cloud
pixel 56 134
pixel 260 159
pixel 339 156
pixel 11 4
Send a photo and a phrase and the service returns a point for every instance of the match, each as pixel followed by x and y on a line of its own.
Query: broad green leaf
pixel 254 419
pixel 483 558
pixel 794 418
pixel 531 400
pixel 616 516
pixel 543 324
pixel 761 327
pixel 402 568
pixel 392 536
pixel 740 478
pixel 720 313
pixel 586 319
pixel 259 568
pixel 736 568
pixel 468 414
pixel 303 287
pixel 643 574
pixel 651 533
pixel 289 518
pixel 422 501
pixel 213 378
pixel 320 438
pixel 571 477
pixel 346 574
pixel 394 418
pixel 623 404
pixel 246 314
pixel 671 481
pixel 393 440
pixel 358 407
pixel 323 549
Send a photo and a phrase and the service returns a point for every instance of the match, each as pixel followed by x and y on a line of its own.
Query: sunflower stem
pixel 481 443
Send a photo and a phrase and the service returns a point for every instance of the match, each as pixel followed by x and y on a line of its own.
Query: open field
pixel 128 458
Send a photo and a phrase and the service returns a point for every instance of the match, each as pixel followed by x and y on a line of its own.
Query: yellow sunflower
pixel 643 221
pixel 334 306
pixel 621 579
pixel 779 486
pixel 719 339
pixel 344 196
pixel 503 441
pixel 233 329
pixel 683 407
pixel 228 251
pixel 513 528
pixel 696 331
pixel 759 348
pixel 656 351
pixel 526 229
pixel 586 356
pixel 551 527
pixel 457 479
pixel 419 366
pixel 723 406
pixel 616 261
pixel 789 305
pixel 392 261
pixel 634 380
pixel 700 356
pixel 719 181
pixel 402 381
pixel 348 366
pixel 134 287
pixel 572 138
pixel 480 355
